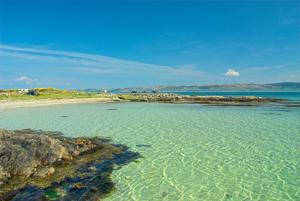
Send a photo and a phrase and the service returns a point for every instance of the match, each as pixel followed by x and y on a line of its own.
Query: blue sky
pixel 91 44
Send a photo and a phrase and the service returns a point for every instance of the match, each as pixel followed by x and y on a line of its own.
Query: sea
pixel 190 151
pixel 283 95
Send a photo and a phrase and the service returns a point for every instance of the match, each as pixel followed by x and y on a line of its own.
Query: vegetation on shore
pixel 48 93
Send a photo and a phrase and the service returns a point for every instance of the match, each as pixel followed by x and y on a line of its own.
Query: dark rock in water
pixel 227 196
pixel 206 100
pixel 282 110
pixel 39 165
pixel 64 116
pixel 111 109
pixel 27 193
pixel 271 113
pixel 143 145
pixel 293 105
pixel 164 194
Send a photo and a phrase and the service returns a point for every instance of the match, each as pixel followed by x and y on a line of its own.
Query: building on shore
pixel 23 91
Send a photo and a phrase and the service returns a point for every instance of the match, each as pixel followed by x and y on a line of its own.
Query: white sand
pixel 47 102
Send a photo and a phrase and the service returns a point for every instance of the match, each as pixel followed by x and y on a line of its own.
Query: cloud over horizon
pixel 232 73
pixel 69 62
pixel 103 64
pixel 27 80
pixel 43 67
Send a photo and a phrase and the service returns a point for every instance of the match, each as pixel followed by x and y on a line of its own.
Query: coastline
pixel 10 104
pixel 159 98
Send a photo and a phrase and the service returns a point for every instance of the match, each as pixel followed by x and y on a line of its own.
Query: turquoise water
pixel 195 152
pixel 285 95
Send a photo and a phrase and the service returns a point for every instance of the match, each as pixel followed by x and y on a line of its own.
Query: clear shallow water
pixel 197 152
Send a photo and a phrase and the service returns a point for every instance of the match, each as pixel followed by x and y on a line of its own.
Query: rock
pixel 208 100
pixel 23 152
pixel 37 165
pixel 78 186
pixel 4 175
pixel 31 193
pixel 93 189
pixel 44 172
pixel 92 168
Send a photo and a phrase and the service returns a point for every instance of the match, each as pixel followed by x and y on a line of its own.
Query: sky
pixel 103 44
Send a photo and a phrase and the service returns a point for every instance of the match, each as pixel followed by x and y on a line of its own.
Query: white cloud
pixel 97 63
pixel 232 73
pixel 259 69
pixel 22 78
pixel 25 79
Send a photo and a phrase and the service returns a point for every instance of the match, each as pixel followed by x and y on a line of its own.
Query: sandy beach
pixel 47 102
pixel 160 98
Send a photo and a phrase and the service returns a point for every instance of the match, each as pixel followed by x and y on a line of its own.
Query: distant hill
pixel 283 86
pixel 295 85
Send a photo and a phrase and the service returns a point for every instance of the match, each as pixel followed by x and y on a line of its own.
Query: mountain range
pixel 282 86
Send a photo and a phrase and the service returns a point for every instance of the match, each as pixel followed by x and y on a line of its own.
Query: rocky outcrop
pixel 209 100
pixel 33 159
pixel 23 152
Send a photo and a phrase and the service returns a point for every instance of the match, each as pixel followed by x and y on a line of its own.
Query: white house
pixel 23 91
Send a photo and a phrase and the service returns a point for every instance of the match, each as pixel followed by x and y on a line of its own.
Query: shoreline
pixel 11 104
pixel 158 98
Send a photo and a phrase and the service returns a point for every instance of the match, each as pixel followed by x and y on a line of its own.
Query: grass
pixel 49 93
pixel 56 94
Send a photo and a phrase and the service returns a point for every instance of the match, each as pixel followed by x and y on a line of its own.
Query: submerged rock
pixel 48 166
pixel 111 109
pixel 143 145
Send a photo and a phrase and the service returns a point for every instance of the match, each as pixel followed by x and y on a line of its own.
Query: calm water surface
pixel 191 152
pixel 285 95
